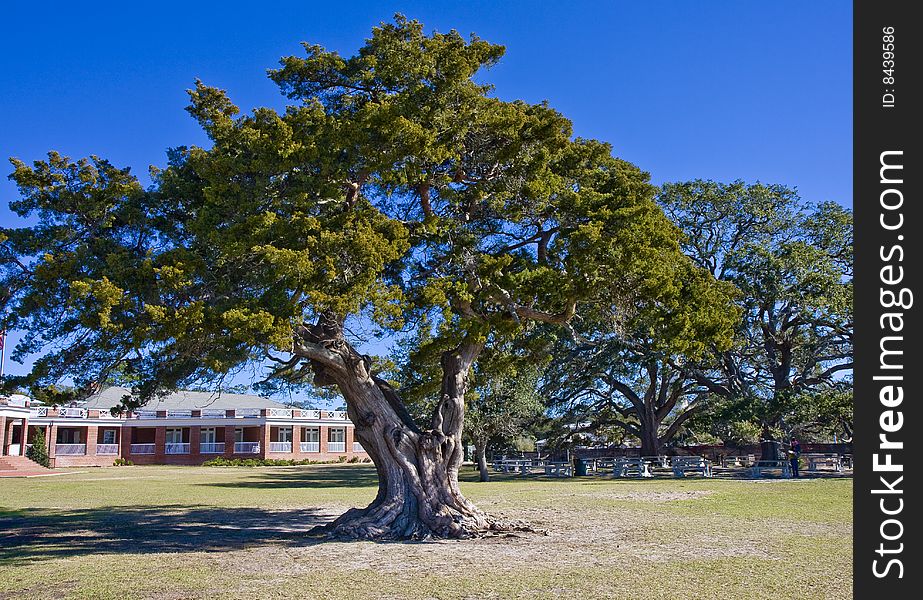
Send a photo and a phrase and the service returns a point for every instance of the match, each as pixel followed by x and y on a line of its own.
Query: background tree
pixel 504 406
pixel 38 451
pixel 502 402
pixel 392 187
pixel 632 375
pixel 792 263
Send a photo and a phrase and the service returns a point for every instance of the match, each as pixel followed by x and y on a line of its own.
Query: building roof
pixel 15 400
pixel 183 400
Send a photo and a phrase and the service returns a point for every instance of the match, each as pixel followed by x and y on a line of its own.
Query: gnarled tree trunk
pixel 418 492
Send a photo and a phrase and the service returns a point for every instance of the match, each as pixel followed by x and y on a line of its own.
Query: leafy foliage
pixel 792 263
pixel 392 190
pixel 38 451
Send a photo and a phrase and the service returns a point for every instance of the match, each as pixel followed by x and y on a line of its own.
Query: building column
pixel 52 440
pixel 160 443
pixel 296 441
pixel 24 436
pixel 229 440
pixel 124 441
pixel 2 436
pixel 322 438
pixel 195 439
pixel 264 440
pixel 92 439
pixel 8 435
pixel 348 436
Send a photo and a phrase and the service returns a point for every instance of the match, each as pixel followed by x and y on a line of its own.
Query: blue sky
pixel 720 90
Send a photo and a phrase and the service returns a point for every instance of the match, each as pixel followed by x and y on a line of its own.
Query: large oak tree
pixel 634 374
pixel 792 262
pixel 393 187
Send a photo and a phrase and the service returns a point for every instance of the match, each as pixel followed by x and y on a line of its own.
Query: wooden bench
pixel 815 461
pixel 559 469
pixel 631 467
pixel 756 471
pixel 695 464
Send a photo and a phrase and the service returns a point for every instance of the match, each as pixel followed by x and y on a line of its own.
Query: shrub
pixel 272 462
pixel 38 451
pixel 122 462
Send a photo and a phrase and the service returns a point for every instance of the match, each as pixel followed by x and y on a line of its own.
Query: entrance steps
pixel 19 466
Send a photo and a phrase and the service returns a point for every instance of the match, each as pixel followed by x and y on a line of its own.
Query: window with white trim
pixel 207 435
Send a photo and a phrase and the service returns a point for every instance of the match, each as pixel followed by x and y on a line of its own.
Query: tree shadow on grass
pixel 340 476
pixel 331 476
pixel 41 534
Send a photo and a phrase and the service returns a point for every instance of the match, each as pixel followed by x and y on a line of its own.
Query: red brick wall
pixel 262 434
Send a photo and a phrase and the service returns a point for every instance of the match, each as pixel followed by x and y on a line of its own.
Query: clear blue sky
pixel 720 90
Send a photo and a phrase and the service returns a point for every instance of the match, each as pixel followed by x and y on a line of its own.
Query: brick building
pixel 185 428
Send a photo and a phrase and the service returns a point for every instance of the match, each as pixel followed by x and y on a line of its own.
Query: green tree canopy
pixel 393 187
pixel 792 262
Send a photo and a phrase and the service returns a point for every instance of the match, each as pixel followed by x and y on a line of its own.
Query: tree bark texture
pixel 418 492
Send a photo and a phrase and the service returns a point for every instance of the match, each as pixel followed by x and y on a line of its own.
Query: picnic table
pixel 523 467
pixel 756 471
pixel 559 469
pixel 738 461
pixel 694 464
pixel 604 463
pixel 815 461
pixel 658 461
pixel 631 467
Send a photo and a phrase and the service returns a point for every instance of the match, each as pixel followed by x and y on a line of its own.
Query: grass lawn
pixel 237 532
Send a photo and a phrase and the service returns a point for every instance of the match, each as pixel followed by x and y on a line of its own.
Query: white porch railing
pixel 73 413
pixel 211 448
pixel 280 447
pixel 70 449
pixel 176 448
pixel 336 446
pixel 280 412
pixel 142 448
pixel 357 447
pixel 310 446
pixel 339 414
pixel 14 449
pixel 41 411
pixel 146 414
pixel 183 414
pixel 247 412
pixel 246 447
pixel 107 449
pixel 214 413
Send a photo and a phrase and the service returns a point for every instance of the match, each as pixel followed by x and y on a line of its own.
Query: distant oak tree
pixel 792 262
